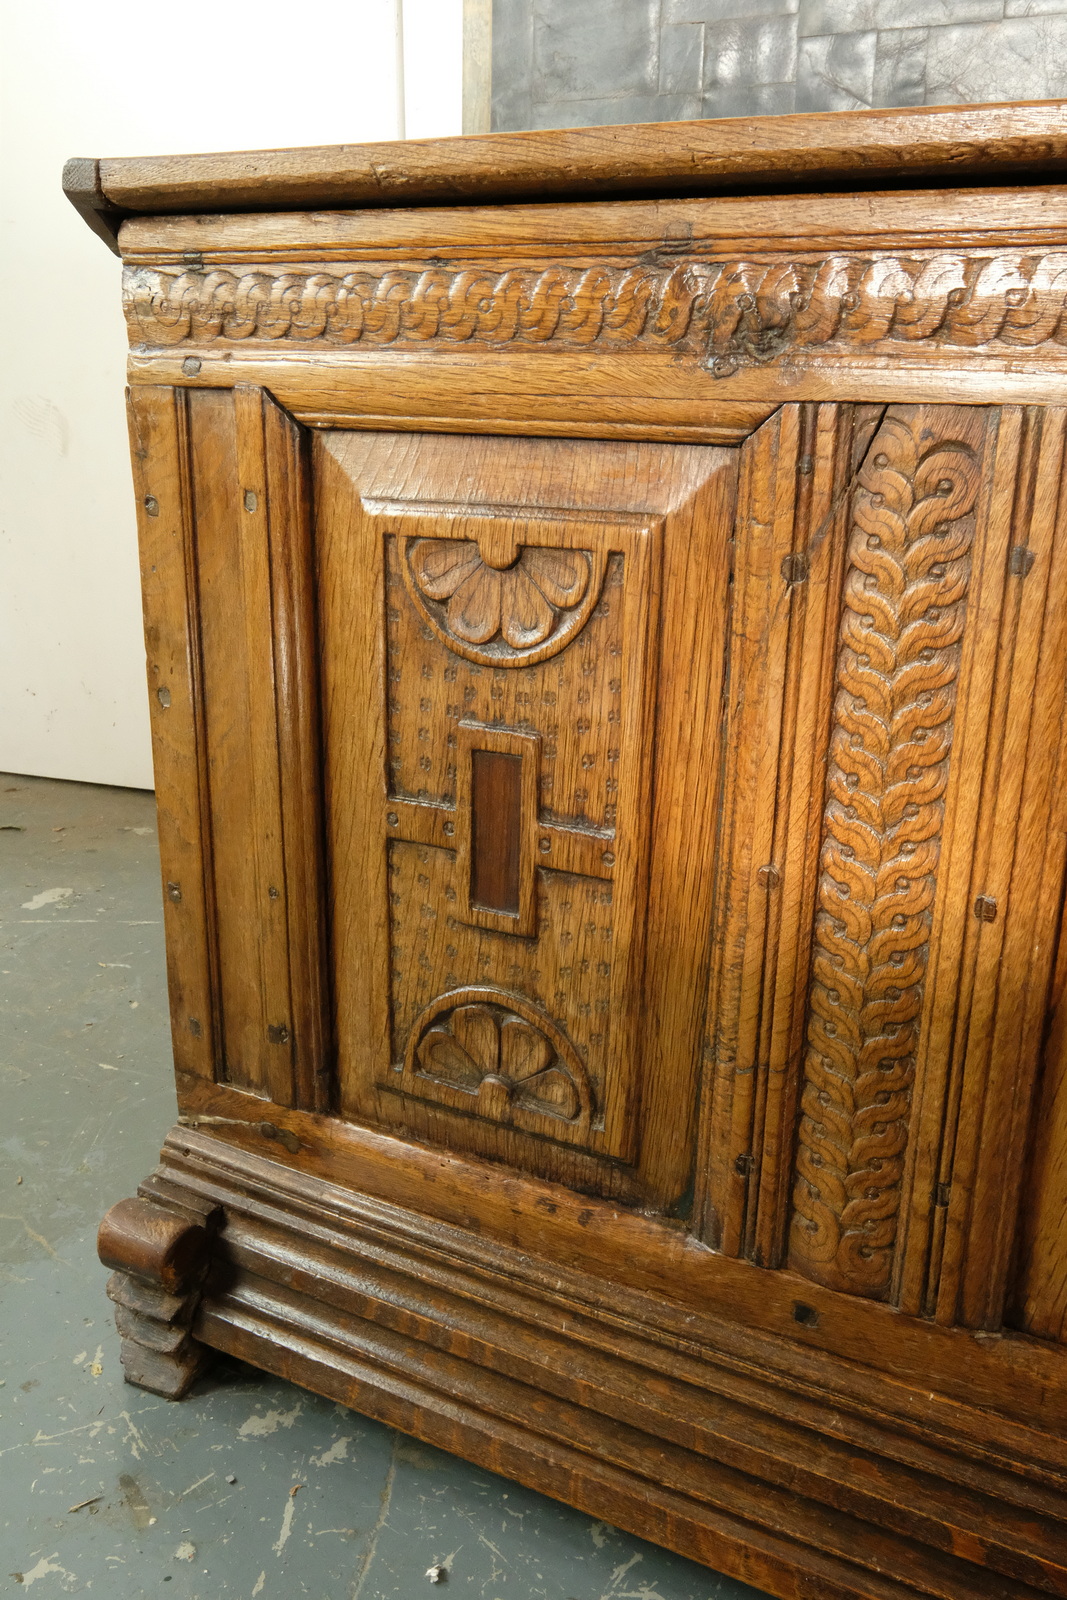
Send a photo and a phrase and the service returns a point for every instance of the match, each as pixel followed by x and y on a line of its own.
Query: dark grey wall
pixel 565 63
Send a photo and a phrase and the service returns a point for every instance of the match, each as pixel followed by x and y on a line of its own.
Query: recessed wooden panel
pixel 1002 870
pixel 537 632
pixel 159 449
pixel 519 645
pixel 242 757
pixel 788 574
pixel 231 657
pixel 1017 1147
pixel 1040 1291
pixel 497 793
pixel 496 830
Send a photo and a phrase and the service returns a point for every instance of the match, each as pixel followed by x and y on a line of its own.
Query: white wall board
pixel 103 79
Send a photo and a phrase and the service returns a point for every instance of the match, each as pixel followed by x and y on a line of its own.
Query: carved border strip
pixel 733 312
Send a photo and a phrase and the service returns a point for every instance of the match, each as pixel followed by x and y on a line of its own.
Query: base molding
pixel 608 1399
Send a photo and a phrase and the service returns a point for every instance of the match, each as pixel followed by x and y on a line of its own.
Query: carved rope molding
pixel 734 312
pixel 904 604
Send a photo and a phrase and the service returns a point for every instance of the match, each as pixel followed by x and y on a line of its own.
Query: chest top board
pixel 605 597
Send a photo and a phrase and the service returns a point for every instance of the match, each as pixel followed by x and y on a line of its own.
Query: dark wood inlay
pixel 496 816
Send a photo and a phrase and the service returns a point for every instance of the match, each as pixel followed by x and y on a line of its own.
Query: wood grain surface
pixel 234 700
pixel 606 662
pixel 532 629
pixel 431 1314
pixel 911 145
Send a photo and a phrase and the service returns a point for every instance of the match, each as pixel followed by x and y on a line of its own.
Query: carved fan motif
pixel 502 1060
pixel 503 614
pixel 515 1067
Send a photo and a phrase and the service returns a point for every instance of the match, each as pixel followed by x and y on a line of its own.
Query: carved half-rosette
pixel 905 600
pixel 492 1053
pixel 504 608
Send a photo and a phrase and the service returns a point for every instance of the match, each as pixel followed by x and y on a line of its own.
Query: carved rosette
pixel 494 1054
pixel 501 608
pixel 909 565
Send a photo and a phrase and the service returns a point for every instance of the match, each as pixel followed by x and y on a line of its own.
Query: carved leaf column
pixel 904 616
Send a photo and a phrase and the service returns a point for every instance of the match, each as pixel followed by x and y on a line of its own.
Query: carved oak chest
pixel 606 608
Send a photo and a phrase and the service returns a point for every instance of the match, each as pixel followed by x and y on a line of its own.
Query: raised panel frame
pixel 973 1283
pixel 611 859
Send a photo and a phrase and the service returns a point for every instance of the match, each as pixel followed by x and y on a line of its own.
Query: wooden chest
pixel 606 606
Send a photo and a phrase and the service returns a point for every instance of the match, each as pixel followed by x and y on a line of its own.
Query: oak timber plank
pixel 1018 1378
pixel 604 1368
pixel 1041 1288
pixel 761 606
pixel 643 396
pixel 159 447
pixel 890 219
pixel 229 678
pixel 287 485
pixel 899 1418
pixel 811 151
pixel 712 1486
pixel 579 1479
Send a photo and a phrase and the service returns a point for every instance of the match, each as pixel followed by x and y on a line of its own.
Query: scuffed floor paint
pixel 259 1427
pixel 42 1570
pixel 111 1491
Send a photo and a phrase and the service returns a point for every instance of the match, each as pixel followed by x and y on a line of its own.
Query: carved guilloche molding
pixel 730 313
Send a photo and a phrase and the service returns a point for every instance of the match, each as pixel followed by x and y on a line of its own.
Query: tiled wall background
pixel 565 63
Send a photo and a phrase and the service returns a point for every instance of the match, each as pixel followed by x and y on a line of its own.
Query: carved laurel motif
pixel 504 615
pixel 495 1050
pixel 905 598
pixel 735 311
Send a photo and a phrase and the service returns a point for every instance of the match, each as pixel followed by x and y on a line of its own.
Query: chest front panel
pixel 690 816
pixel 607 668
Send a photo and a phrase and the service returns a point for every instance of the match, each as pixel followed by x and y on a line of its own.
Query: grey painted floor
pixel 249 1487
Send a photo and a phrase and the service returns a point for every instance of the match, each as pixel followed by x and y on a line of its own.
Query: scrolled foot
pixel 160 1260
